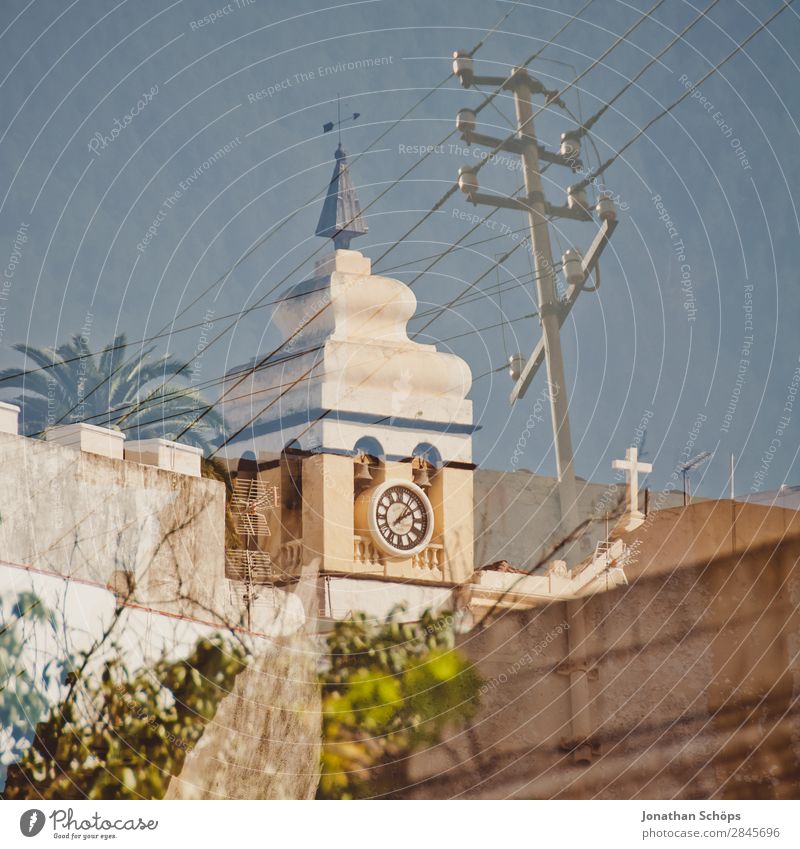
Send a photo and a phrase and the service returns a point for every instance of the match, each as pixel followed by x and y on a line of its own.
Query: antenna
pixel 687 467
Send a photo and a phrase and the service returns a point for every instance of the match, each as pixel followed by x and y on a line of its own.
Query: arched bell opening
pixel 368 460
pixel 425 462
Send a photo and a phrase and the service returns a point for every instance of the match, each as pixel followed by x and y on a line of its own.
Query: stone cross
pixel 632 467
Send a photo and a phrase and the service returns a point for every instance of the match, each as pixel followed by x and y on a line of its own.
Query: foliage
pixel 123 736
pixel 109 389
pixel 390 689
pixel 23 695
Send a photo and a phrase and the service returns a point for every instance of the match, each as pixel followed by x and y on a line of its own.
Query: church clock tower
pixel 366 433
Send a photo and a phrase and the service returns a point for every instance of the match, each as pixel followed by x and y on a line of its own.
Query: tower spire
pixel 341 218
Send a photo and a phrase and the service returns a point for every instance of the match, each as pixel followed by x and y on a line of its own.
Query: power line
pixel 57 363
pixel 451 303
pixel 584 129
pixel 599 170
pixel 502 323
pixel 264 360
pixel 552 98
pixel 183 391
pixel 591 121
pixel 595 117
pixel 610 161
pixel 283 221
pixel 486 100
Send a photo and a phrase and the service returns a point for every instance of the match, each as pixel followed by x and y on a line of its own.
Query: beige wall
pixel 692 671
pixel 85 516
pixel 517 514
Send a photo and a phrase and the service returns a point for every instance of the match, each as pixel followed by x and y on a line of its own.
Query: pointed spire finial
pixel 341 218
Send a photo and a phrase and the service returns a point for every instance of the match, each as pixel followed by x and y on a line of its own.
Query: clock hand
pixel 400 518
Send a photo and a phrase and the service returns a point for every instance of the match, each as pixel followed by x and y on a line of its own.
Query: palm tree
pixel 109 389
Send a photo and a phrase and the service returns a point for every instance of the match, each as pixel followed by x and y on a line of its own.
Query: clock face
pixel 401 518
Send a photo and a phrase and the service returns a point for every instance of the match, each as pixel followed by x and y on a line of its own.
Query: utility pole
pixel 546 293
pixel 552 310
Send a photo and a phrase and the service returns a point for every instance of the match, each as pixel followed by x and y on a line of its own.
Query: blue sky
pixel 258 82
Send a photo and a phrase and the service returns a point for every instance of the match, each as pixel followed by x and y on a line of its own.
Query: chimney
pixel 172 456
pixel 89 438
pixel 9 418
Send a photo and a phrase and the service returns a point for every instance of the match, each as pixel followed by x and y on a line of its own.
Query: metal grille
pixel 249 567
pixel 243 595
pixel 251 524
pixel 254 494
pixel 249 503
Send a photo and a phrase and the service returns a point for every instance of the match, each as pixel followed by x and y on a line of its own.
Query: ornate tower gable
pixel 349 370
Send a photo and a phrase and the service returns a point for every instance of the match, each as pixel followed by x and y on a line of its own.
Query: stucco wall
pixel 517 514
pixel 693 674
pixel 85 516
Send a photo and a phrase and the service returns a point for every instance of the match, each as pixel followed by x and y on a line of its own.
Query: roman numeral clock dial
pixel 400 518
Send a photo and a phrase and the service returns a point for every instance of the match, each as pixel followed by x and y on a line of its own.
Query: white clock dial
pixel 400 518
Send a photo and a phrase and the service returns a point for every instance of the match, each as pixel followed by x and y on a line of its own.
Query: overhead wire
pixel 578 76
pixel 583 183
pixel 612 159
pixel 572 18
pixel 283 221
pixel 448 194
pixel 587 125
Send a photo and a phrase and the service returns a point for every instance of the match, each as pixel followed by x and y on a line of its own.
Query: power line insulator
pixel 576 198
pixel 571 147
pixel 467 181
pixel 516 363
pixel 463 67
pixel 606 209
pixel 573 266
pixel 465 123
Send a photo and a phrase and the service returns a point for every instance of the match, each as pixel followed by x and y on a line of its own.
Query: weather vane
pixel 341 218
pixel 326 128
